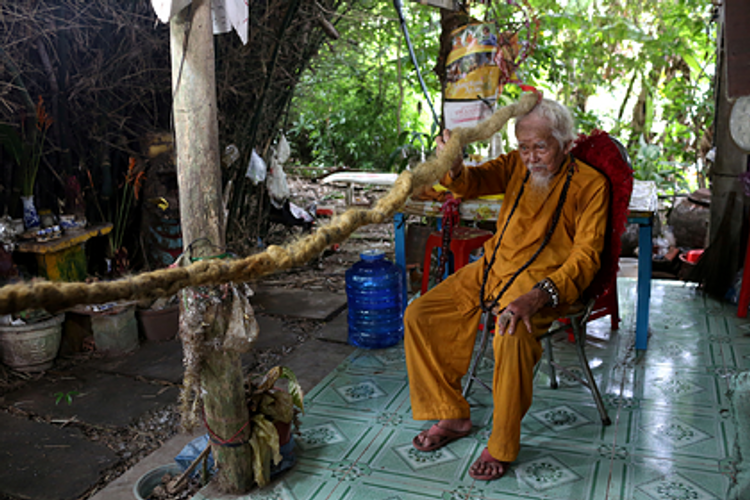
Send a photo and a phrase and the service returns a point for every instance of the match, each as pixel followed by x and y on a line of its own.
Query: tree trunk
pixel 199 178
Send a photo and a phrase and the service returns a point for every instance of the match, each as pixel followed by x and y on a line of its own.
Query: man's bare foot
pixel 442 433
pixel 487 468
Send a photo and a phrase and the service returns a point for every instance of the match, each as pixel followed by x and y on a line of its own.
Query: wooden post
pixel 723 263
pixel 202 219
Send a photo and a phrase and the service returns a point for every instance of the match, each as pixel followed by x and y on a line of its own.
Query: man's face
pixel 539 150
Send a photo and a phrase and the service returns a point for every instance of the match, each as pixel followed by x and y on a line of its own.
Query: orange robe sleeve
pixel 578 270
pixel 489 178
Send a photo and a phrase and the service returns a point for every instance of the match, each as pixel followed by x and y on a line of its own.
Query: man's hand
pixel 523 308
pixel 458 163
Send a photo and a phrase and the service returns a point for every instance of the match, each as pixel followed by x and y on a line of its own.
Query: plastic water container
pixel 374 290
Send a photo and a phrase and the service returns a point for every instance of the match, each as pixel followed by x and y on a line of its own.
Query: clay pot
pixel 159 325
pixel 689 220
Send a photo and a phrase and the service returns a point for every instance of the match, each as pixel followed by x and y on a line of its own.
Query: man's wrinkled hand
pixel 521 309
pixel 440 142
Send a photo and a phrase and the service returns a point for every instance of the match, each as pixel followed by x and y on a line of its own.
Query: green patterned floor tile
pixel 300 483
pixel 651 479
pixel 391 361
pixel 741 356
pixel 374 489
pixel 669 385
pixel 564 425
pixel 543 474
pixel 686 353
pixel 568 386
pixel 324 441
pixel 683 437
pixel 671 435
pixel 396 458
pixel 360 392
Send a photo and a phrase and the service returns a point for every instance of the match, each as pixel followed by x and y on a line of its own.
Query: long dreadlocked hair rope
pixel 56 296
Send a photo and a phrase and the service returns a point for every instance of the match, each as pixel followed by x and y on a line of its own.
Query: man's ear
pixel 568 147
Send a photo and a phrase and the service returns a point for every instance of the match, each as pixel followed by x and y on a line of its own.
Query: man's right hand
pixel 458 163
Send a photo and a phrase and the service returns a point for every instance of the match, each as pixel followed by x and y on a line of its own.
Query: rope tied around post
pixel 215 439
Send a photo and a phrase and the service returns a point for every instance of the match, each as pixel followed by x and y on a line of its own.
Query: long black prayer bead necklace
pixel 555 219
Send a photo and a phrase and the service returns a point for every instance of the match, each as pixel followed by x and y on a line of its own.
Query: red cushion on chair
pixel 601 151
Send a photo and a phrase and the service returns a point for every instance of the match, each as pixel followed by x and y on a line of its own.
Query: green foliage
pixel 640 70
pixel 347 110
pixel 651 63
pixel 26 149
pixel 649 165
pixel 412 147
pixel 65 396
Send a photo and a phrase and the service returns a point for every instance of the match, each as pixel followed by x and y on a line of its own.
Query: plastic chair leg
pixel 550 362
pixel 471 375
pixel 614 317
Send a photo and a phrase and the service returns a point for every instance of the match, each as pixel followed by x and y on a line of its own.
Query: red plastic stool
pixel 463 241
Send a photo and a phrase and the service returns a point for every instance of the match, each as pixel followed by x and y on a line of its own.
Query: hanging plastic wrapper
pixel 276 181
pixel 226 15
pixel 256 169
pixel 229 300
pixel 472 75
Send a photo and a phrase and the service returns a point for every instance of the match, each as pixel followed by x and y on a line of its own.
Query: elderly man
pixel 545 252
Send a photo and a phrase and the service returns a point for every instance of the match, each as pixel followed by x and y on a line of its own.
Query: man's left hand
pixel 521 309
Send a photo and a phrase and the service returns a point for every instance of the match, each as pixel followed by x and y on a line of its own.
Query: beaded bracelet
pixel 547 286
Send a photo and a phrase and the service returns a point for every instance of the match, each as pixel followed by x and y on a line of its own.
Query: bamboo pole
pixel 202 218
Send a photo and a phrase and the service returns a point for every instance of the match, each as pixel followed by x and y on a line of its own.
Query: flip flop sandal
pixel 445 436
pixel 486 458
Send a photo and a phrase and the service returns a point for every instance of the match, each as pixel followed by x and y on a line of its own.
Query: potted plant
pixel 127 198
pixel 273 413
pixel 31 340
pixel 27 149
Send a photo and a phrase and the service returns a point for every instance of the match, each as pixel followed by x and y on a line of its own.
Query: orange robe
pixel 441 326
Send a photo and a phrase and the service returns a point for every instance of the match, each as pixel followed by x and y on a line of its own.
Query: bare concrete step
pixel 45 462
pixel 96 398
pixel 336 330
pixel 298 303
pixel 153 361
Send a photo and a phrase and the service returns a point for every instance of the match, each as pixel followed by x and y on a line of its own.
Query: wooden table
pixel 64 259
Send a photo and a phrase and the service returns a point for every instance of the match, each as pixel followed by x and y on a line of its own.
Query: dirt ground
pixel 327 272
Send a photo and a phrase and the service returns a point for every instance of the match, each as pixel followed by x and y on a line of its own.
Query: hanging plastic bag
pixel 282 150
pixel 276 182
pixel 256 169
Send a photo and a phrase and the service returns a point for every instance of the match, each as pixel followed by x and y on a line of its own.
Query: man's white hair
pixel 559 118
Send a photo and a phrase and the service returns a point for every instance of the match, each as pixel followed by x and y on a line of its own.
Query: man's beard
pixel 540 179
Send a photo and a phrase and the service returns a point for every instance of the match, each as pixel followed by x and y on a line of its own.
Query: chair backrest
pixel 607 155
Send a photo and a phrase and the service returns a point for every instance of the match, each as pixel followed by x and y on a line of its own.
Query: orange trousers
pixel 439 341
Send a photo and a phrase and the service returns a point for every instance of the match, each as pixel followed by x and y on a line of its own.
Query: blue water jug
pixel 374 290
